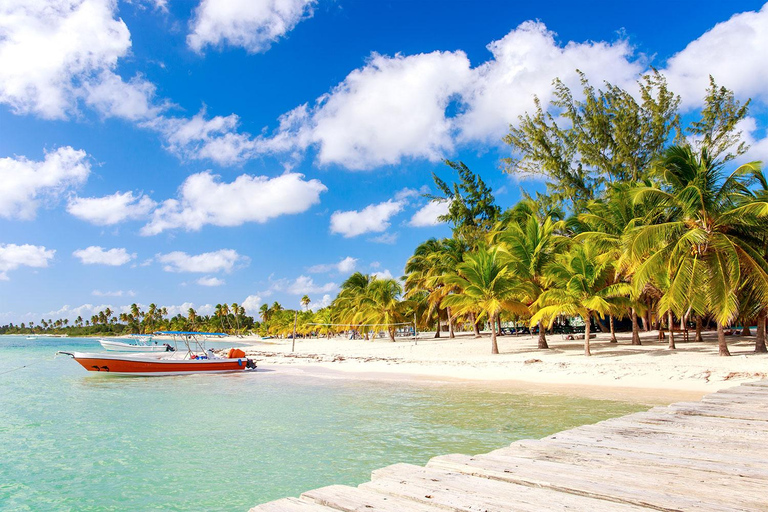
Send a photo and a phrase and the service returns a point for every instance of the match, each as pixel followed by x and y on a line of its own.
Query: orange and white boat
pixel 192 358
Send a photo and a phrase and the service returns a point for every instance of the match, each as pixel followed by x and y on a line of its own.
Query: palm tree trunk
pixel 760 339
pixel 475 325
pixel 587 325
pixel 450 323
pixel 542 337
pixel 635 327
pixel 746 331
pixel 498 325
pixel 437 332
pixel 671 325
pixel 613 332
pixel 391 334
pixel 698 329
pixel 494 346
pixel 722 345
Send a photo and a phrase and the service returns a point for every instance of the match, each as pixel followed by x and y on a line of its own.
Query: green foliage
pixel 586 144
pixel 472 209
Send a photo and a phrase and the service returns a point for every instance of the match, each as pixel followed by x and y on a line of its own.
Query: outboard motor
pixel 249 364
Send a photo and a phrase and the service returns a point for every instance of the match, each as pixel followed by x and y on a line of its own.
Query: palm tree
pixel 485 281
pixel 347 303
pixel 580 284
pixel 606 223
pixel 305 300
pixel 532 245
pixel 381 305
pixel 701 242
pixel 425 270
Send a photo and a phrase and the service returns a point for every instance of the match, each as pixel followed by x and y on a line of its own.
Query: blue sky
pixel 189 153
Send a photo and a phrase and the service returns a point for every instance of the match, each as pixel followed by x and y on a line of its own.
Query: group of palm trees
pixel 687 245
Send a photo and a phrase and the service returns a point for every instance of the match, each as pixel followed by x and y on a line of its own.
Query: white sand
pixel 690 371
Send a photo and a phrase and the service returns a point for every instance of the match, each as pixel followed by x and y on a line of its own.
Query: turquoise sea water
pixel 73 440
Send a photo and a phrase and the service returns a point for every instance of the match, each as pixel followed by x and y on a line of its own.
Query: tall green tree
pixel 472 208
pixel 608 136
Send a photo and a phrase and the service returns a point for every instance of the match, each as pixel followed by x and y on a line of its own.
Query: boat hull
pixel 156 366
pixel 128 347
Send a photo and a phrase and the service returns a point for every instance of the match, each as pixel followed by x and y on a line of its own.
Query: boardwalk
pixel 708 455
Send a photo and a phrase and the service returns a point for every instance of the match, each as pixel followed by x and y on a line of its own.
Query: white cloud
pixel 112 209
pixel 733 52
pixel 524 63
pixel 304 285
pixel 200 138
pixel 385 238
pixel 223 260
pixel 251 24
pixel 210 281
pixel 429 213
pixel 392 108
pixel 384 274
pixel 251 304
pixel 322 303
pixel 203 200
pixel 95 255
pixel 344 266
pixel 25 183
pixel 116 293
pixel 55 53
pixel 373 218
pixel 13 256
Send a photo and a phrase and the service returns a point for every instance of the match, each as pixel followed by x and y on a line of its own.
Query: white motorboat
pixel 189 356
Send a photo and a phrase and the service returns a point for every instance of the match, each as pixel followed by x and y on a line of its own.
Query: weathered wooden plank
pixel 656 449
pixel 649 490
pixel 761 390
pixel 722 439
pixel 353 499
pixel 613 461
pixel 736 426
pixel 721 410
pixel 759 383
pixel 643 461
pixel 696 447
pixel 458 491
pixel 290 505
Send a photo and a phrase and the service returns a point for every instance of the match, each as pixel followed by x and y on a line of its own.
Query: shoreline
pixel 694 369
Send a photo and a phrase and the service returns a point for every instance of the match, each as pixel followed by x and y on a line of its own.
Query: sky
pixel 194 152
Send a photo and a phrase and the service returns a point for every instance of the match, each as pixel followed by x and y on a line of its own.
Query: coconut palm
pixel 580 283
pixel 700 241
pixel 381 305
pixel 305 300
pixel 532 245
pixel 484 281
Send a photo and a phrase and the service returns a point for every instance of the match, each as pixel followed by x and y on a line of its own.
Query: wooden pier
pixel 707 455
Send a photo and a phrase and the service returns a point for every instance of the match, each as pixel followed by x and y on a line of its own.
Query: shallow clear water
pixel 73 440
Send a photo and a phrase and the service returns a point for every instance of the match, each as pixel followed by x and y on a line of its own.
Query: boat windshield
pixel 193 341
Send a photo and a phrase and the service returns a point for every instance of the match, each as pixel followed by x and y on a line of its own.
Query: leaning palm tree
pixel 701 240
pixel 484 281
pixel 581 283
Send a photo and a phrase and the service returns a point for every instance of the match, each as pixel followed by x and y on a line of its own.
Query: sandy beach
pixel 693 369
